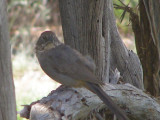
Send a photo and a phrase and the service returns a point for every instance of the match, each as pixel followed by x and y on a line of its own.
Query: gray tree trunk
pixel 7 94
pixel 82 30
pixel 89 26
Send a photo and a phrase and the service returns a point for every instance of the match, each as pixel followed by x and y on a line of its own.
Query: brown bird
pixel 69 67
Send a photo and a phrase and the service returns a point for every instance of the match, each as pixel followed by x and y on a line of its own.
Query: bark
pixel 147 39
pixel 7 95
pixel 82 29
pixel 80 104
pixel 90 27
pixel 125 60
pixel 147 42
pixel 152 9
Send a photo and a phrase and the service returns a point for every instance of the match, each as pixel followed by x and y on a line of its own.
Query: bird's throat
pixel 49 46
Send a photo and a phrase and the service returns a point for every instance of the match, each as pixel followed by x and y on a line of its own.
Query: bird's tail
pixel 107 100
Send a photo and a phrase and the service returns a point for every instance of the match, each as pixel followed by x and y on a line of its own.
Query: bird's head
pixel 46 41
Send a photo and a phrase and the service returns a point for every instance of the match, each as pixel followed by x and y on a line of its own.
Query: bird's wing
pixel 71 63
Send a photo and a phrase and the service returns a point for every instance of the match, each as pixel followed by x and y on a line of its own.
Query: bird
pixel 70 68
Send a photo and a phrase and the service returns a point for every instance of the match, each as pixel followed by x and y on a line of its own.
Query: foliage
pixel 25 19
pixel 124 23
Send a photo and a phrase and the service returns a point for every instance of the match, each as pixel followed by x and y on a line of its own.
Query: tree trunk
pixel 7 95
pixel 147 37
pixel 89 26
pixel 82 29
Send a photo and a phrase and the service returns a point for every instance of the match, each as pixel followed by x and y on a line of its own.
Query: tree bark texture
pixel 147 37
pixel 89 26
pixel 7 94
pixel 80 104
pixel 152 8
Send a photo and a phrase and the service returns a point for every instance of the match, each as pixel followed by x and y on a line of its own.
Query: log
pixel 78 103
